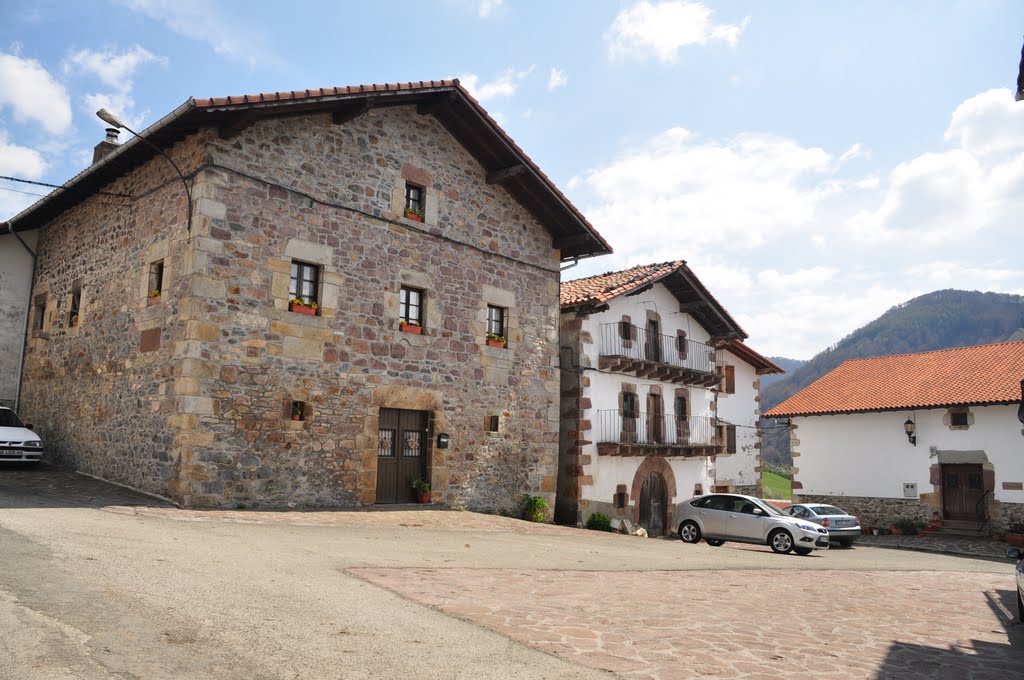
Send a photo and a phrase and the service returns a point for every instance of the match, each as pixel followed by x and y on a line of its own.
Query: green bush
pixel 535 509
pixel 599 522
pixel 1015 528
pixel 908 526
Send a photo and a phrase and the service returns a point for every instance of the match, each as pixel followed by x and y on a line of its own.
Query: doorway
pixel 962 489
pixel 401 454
pixel 652 504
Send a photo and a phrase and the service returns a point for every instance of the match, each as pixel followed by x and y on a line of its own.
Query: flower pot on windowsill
pixel 411 328
pixel 495 343
pixel 153 300
pixel 414 217
pixel 302 309
pixel 296 417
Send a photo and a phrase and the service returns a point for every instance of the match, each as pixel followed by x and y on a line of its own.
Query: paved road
pixel 98 582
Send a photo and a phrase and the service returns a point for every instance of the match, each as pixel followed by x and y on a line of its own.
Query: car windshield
pixel 827 510
pixel 8 419
pixel 770 508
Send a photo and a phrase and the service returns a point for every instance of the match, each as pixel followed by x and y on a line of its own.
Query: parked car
pixel 18 443
pixel 1018 554
pixel 722 517
pixel 842 526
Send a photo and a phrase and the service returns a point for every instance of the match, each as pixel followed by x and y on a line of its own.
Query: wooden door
pixel 652 505
pixel 401 454
pixel 962 489
pixel 653 347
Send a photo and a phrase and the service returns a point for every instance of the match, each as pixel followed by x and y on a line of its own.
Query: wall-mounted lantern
pixel 910 429
pixel 442 440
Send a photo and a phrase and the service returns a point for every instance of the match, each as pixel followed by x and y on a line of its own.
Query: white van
pixel 18 443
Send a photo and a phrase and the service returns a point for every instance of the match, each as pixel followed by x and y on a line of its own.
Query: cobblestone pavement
pixel 930 542
pixel 740 624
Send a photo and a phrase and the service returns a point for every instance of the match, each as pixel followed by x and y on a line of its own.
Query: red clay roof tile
pixel 604 287
pixel 985 374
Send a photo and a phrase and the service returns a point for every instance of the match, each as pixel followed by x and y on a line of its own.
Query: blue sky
pixel 814 163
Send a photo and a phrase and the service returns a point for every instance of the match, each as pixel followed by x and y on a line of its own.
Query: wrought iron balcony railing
pixel 659 356
pixel 645 429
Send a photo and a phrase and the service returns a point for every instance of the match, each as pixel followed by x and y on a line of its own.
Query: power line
pixel 53 186
pixel 19 191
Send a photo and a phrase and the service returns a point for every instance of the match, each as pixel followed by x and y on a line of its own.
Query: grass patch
pixel 776 486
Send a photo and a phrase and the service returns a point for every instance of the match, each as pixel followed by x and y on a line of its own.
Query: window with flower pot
pixel 496 326
pixel 298 410
pixel 304 287
pixel 156 281
pixel 415 201
pixel 410 309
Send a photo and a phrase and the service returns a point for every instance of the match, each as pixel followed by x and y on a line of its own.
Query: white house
pixel 913 435
pixel 17 258
pixel 657 391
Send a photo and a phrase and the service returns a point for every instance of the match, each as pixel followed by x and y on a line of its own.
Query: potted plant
pixel 422 488
pixel 296 412
pixel 410 326
pixel 1015 533
pixel 906 526
pixel 535 508
pixel 74 320
pixel 154 297
pixel 302 305
pixel 495 340
pixel 414 214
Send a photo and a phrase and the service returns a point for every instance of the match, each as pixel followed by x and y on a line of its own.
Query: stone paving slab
pixel 740 624
pixel 929 542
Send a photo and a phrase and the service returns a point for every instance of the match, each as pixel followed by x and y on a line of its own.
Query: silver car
pixel 842 527
pixel 1018 554
pixel 722 517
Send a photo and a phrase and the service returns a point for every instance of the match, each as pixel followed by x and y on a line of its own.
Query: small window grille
pixel 958 418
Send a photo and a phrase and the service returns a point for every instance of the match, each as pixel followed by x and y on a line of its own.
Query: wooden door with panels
pixel 401 454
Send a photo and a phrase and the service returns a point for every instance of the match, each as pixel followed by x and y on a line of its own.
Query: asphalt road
pixel 96 582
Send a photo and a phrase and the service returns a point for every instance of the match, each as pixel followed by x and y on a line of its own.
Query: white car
pixel 18 443
pixel 721 517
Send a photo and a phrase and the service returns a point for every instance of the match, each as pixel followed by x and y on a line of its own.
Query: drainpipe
pixel 28 310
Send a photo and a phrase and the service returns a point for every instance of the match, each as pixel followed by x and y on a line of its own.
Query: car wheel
pixel 689 532
pixel 714 542
pixel 780 541
pixel 803 551
pixel 845 542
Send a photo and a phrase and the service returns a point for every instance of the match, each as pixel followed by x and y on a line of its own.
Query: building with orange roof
pixel 308 298
pixel 918 436
pixel 659 397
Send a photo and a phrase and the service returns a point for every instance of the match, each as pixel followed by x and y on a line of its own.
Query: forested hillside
pixel 940 320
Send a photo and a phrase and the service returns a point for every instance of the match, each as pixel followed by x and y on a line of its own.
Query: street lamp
pixel 909 428
pixel 108 117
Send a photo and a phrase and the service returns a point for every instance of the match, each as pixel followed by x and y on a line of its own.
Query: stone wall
pixel 191 397
pixel 874 512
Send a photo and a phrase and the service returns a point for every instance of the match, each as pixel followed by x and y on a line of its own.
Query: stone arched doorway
pixel 654 488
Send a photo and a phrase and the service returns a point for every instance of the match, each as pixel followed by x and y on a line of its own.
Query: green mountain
pixel 941 320
pixel 788 365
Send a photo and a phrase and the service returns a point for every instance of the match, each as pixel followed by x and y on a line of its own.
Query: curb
pixel 940 551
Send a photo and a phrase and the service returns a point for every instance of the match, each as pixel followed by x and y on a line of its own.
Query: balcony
pixel 658 357
pixel 663 435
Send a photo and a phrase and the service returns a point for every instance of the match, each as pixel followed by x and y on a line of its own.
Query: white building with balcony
pixel 658 390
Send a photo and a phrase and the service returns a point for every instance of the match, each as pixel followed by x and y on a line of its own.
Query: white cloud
pixel 487 7
pixel 19 161
pixel 681 192
pixel 117 71
pixel 203 21
pixel 557 79
pixel 505 85
pixel 813 278
pixel 33 94
pixel 662 29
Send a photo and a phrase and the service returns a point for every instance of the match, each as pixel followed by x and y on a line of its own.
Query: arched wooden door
pixel 652 504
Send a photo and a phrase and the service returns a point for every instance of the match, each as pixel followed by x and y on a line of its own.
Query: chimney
pixel 104 148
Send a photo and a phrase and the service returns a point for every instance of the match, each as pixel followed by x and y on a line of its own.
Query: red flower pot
pixel 410 328
pixel 495 343
pixel 423 497
pixel 302 309
pixel 414 217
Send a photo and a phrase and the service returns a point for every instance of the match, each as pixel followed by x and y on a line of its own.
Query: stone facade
pixel 191 396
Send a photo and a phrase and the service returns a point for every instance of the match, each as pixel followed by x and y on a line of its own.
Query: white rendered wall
pixel 15 292
pixel 868 454
pixel 739 409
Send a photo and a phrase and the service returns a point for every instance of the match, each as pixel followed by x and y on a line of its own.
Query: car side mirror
pixel 758 511
pixel 28 426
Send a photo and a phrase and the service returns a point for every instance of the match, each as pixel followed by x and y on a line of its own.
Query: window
pixel 156 279
pixel 415 201
pixel 495 321
pixel 298 410
pixel 625 329
pixel 40 313
pixel 727 437
pixel 630 412
pixel 729 383
pixel 410 306
pixel 682 345
pixel 305 282
pixel 653 348
pixel 958 418
pixel 655 418
pixel 493 423
pixel 76 303
pixel 682 420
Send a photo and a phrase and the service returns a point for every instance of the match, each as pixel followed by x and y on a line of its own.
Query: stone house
pixel 915 436
pixel 301 316
pixel 658 390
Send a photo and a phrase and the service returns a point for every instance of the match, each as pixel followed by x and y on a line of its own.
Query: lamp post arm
pixel 188 191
